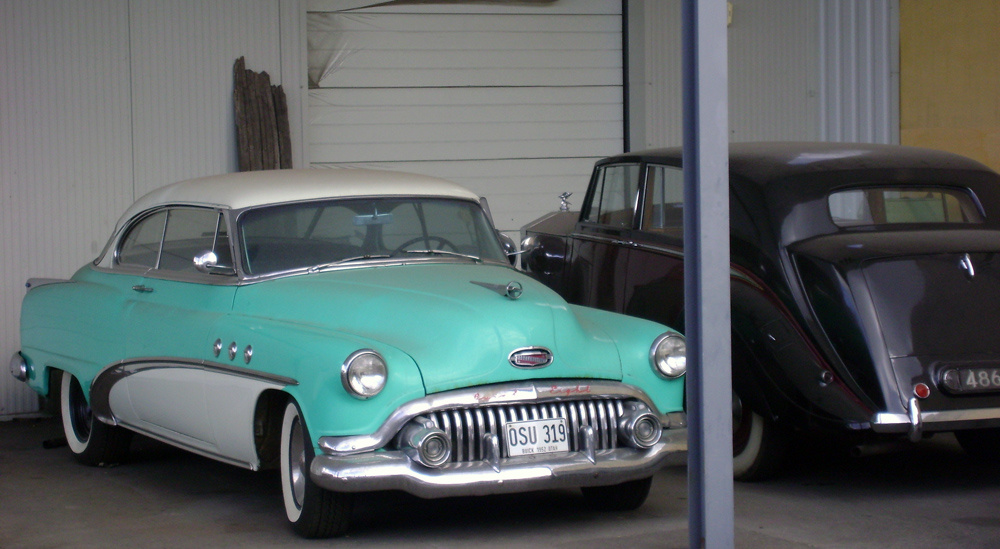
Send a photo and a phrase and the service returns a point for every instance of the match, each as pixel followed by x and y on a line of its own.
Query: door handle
pixel 142 288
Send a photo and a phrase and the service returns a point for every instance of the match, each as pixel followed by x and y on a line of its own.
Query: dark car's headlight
pixel 669 355
pixel 364 373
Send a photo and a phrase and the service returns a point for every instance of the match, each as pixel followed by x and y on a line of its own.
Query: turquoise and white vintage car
pixel 360 330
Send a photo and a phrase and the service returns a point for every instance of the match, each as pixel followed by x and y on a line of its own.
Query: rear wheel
pixel 618 497
pixel 759 444
pixel 313 511
pixel 91 441
pixel 982 443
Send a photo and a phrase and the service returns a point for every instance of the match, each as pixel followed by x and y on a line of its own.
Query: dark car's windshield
pixel 313 234
pixel 903 204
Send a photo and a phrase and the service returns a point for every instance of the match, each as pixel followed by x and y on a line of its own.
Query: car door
pixel 170 326
pixel 654 288
pixel 602 239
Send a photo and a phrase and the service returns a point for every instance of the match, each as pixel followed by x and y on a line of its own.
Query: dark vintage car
pixel 865 285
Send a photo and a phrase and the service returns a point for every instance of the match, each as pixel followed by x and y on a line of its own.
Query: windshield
pixel 320 234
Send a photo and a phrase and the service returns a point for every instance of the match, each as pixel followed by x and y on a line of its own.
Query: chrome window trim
pixel 504 393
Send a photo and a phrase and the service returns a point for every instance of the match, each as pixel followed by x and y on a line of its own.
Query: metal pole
pixel 706 276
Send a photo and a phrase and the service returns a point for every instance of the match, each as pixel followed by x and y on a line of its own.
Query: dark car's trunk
pixel 926 303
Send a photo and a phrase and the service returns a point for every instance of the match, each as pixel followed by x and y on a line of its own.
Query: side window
pixel 664 209
pixel 615 196
pixel 141 246
pixel 191 232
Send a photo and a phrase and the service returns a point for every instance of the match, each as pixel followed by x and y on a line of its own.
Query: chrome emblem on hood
pixel 512 290
pixel 530 357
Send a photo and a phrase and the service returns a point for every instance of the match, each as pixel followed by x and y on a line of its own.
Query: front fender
pixel 313 357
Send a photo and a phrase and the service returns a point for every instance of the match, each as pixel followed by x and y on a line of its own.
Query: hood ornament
pixel 564 202
pixel 530 357
pixel 966 265
pixel 512 290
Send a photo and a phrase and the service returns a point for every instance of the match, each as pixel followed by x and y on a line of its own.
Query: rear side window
pixel 615 196
pixel 898 205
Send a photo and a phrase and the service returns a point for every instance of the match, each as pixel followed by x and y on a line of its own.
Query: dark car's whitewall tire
pixel 91 441
pixel 759 445
pixel 313 511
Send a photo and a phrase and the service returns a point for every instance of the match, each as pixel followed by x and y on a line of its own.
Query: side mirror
pixel 509 247
pixel 207 262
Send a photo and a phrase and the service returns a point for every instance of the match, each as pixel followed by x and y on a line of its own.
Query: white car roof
pixel 245 189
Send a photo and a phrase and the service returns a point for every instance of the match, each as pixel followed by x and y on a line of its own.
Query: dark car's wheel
pixel 91 441
pixel 759 444
pixel 981 443
pixel 618 497
pixel 313 511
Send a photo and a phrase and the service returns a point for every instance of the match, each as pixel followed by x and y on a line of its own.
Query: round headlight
pixel 18 367
pixel 364 373
pixel 669 355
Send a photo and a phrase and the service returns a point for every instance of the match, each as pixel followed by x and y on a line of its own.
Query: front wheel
pixel 626 496
pixel 313 511
pixel 91 441
pixel 759 444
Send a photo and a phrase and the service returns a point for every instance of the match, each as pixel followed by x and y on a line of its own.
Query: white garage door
pixel 515 100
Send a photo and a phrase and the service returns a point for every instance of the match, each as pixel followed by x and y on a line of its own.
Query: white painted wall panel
pixel 182 78
pixel 463 90
pixel 65 148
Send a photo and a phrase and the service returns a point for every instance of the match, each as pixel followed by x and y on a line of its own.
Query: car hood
pixel 452 319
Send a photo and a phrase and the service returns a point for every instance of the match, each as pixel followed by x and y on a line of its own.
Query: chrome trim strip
pixel 887 422
pixel 394 471
pixel 37 282
pixel 505 393
pixel 100 388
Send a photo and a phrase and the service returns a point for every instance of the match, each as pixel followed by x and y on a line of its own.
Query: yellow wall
pixel 950 76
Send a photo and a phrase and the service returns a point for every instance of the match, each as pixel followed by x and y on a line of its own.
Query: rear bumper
pixel 393 470
pixel 915 422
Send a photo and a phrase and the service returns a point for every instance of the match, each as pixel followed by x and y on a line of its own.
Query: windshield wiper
pixel 442 252
pixel 321 266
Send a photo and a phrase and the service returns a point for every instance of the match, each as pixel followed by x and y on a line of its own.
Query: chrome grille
pixel 467 426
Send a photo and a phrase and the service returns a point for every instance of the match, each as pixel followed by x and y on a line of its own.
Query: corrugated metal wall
pixel 800 71
pixel 104 100
pixel 859 80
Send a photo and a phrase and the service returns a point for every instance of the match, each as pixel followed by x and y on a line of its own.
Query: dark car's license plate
pixel 972 380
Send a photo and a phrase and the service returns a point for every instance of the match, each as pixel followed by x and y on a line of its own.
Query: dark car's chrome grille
pixel 467 426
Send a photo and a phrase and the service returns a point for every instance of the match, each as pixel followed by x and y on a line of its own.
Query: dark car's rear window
pixel 903 204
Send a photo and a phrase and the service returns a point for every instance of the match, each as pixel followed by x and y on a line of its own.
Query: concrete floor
pixel 926 495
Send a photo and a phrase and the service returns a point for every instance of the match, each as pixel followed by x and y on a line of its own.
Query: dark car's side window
pixel 615 196
pixel 664 208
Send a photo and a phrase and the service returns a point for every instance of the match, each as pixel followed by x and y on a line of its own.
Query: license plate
pixel 539 436
pixel 972 380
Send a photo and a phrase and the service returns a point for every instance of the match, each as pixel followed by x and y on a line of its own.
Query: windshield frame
pixel 485 232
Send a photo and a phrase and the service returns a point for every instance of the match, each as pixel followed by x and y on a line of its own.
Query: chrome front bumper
pixel 392 470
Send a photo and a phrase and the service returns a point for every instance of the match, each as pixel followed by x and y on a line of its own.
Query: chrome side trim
pixel 887 422
pixel 529 391
pixel 100 389
pixel 37 282
pixel 392 470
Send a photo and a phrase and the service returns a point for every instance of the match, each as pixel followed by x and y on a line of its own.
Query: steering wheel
pixel 442 242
